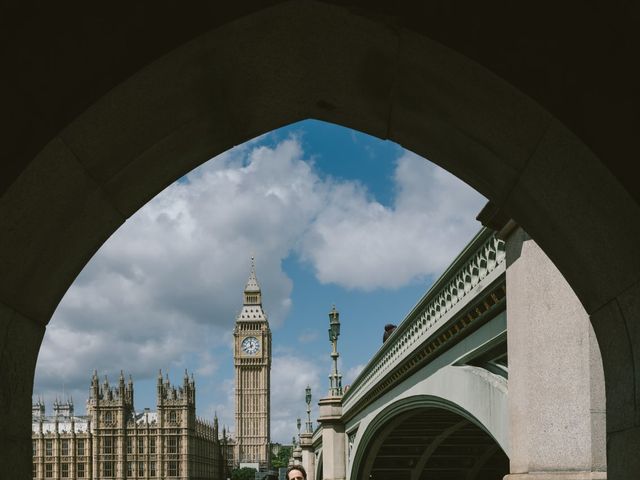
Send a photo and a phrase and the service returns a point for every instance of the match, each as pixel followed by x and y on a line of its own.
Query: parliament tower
pixel 252 359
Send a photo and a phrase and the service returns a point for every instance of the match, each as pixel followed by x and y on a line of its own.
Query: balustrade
pixel 482 258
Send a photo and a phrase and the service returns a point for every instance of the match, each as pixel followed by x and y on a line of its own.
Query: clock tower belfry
pixel 252 360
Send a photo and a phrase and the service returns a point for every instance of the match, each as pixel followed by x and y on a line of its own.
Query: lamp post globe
pixel 334 324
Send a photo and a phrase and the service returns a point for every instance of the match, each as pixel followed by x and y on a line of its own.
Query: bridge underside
pixel 437 444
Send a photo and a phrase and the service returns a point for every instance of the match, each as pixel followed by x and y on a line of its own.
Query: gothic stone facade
pixel 252 360
pixel 114 442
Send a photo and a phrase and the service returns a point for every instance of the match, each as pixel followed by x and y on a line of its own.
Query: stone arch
pixel 436 441
pixel 470 393
pixel 259 68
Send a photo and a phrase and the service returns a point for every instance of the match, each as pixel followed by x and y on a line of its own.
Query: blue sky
pixel 333 216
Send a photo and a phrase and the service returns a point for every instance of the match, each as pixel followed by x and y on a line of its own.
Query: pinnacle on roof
pixel 252 283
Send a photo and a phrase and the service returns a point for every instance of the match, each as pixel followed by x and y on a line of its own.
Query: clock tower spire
pixel 252 360
pixel 252 293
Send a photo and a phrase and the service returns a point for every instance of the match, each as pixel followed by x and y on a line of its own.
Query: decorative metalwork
pixel 307 398
pixel 335 379
pixel 477 266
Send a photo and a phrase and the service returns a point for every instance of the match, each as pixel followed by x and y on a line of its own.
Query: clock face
pixel 250 345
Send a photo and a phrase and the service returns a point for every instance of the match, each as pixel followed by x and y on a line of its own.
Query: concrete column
pixel 333 439
pixel 297 455
pixel 308 455
pixel 556 383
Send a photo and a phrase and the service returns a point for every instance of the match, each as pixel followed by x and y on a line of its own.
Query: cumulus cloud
pixel 308 336
pixel 170 280
pixel 290 375
pixel 358 243
pixel 352 373
pixel 168 283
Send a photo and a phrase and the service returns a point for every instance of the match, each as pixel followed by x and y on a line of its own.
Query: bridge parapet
pixel 480 263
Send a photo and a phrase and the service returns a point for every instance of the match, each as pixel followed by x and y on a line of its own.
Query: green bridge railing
pixel 478 265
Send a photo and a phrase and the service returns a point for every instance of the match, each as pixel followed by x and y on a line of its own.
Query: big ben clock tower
pixel 252 359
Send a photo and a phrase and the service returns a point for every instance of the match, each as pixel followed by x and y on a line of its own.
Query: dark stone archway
pixel 104 108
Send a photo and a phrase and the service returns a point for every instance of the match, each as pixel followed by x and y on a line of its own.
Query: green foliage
pixel 245 473
pixel 282 459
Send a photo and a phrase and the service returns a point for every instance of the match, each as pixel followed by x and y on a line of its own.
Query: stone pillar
pixel 556 383
pixel 308 455
pixel 333 439
pixel 297 455
pixel 19 344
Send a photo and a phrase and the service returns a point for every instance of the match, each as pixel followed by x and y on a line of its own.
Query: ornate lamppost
pixel 307 397
pixel 297 449
pixel 335 378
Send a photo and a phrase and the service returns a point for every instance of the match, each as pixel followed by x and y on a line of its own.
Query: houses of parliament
pixel 114 441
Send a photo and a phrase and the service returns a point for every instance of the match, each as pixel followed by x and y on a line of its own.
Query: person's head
pixel 388 330
pixel 296 472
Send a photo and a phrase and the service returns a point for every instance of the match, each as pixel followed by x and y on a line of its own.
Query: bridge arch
pixel 248 72
pixel 459 399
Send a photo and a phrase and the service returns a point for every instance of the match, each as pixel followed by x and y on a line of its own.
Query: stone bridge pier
pixel 557 408
pixel 542 417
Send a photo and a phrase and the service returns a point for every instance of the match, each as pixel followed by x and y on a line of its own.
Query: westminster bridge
pixel 534 106
pixel 494 372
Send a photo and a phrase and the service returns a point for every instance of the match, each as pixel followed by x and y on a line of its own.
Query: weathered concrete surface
pixel 556 382
pixel 334 451
pixel 475 392
pixel 308 455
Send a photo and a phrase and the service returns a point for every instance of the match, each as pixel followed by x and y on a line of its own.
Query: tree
pixel 245 473
pixel 282 458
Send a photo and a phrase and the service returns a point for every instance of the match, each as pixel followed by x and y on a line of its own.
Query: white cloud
pixel 169 282
pixel 308 336
pixel 352 374
pixel 222 404
pixel 208 364
pixel 358 243
pixel 290 375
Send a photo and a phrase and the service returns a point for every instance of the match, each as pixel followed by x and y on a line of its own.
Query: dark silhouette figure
pixel 388 330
